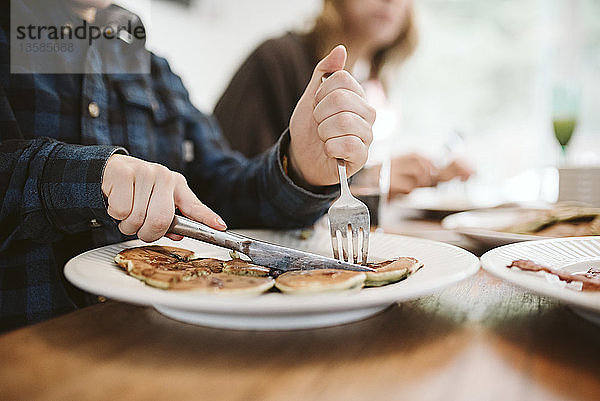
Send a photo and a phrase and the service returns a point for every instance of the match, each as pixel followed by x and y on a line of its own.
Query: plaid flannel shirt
pixel 57 132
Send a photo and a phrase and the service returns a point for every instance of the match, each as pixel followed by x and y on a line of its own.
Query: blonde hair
pixel 328 32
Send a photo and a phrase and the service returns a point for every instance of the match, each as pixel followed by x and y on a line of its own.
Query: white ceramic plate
pixel 574 254
pixel 484 226
pixel 95 272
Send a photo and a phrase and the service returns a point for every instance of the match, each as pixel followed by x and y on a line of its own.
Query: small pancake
pixel 244 268
pixel 161 265
pixel 320 280
pixel 163 279
pixel 223 283
pixel 210 264
pixel 151 255
pixel 390 271
pixel 163 274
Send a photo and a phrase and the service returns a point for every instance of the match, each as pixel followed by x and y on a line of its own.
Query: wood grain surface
pixel 481 339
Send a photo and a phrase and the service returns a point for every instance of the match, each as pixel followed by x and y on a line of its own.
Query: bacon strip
pixel 590 279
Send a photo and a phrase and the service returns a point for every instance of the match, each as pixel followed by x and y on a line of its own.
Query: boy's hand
pixel 331 120
pixel 144 196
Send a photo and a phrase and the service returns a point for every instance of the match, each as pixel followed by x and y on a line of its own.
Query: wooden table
pixel 481 339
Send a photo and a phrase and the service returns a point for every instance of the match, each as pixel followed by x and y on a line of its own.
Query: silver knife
pixel 260 252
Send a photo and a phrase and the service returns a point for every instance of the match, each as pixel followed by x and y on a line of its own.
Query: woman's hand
pixel 331 121
pixel 411 171
pixel 144 196
pixel 456 169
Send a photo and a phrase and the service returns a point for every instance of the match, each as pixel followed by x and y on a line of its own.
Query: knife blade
pixel 260 252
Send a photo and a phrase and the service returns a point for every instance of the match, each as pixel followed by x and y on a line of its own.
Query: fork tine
pixel 334 242
pixel 355 244
pixel 345 243
pixel 365 245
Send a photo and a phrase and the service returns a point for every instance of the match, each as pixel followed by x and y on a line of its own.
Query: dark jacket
pixel 264 91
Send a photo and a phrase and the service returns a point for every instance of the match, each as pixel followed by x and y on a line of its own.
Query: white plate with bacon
pixel 95 271
pixel 567 269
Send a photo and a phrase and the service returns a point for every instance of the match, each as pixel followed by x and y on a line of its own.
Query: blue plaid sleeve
pixel 49 188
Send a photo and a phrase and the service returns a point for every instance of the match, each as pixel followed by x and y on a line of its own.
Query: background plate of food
pixel 567 269
pixel 500 226
pixel 96 271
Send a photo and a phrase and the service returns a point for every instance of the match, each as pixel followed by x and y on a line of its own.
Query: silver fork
pixel 348 214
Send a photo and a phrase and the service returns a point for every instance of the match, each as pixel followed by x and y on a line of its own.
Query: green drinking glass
pixel 565 110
